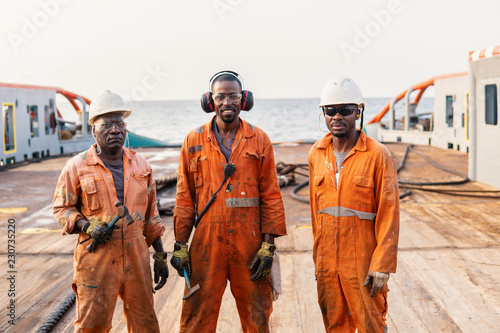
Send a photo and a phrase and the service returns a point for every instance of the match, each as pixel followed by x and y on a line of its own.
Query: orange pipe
pixel 72 101
pixel 72 95
pixel 419 86
pixel 420 93
pixel 69 95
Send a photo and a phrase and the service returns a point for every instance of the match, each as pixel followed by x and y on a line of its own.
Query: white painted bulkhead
pixel 29 126
pixel 26 130
pixel 486 72
pixel 451 132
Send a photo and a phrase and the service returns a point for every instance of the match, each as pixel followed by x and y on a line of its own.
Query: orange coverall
pixel 355 228
pixel 121 266
pixel 230 233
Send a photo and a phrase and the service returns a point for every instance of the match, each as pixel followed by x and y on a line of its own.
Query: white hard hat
pixel 341 90
pixel 107 102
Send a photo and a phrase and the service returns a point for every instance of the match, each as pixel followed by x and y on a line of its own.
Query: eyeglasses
pixel 232 97
pixel 108 125
pixel 343 110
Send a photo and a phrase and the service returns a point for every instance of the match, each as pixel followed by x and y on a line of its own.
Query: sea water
pixel 284 120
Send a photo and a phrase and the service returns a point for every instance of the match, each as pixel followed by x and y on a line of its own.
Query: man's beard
pixel 339 135
pixel 228 120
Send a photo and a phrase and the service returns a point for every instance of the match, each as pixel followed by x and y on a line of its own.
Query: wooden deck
pixel 448 268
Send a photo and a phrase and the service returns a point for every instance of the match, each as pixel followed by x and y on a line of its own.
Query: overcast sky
pixel 160 50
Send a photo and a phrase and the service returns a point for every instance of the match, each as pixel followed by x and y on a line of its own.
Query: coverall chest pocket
pixel 320 189
pixel 196 169
pixel 253 162
pixel 363 191
pixel 89 193
pixel 138 188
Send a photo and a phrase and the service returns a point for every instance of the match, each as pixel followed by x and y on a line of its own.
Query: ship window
pixel 467 117
pixel 47 120
pixel 449 111
pixel 9 131
pixel 33 112
pixel 491 104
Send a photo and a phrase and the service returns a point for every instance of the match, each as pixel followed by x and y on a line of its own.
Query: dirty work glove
pixel 160 269
pixel 180 259
pixel 264 260
pixel 90 225
pixel 99 231
pixel 377 279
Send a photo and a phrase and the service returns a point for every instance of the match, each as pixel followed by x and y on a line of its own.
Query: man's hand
pixel 90 225
pixel 99 231
pixel 264 260
pixel 377 279
pixel 180 259
pixel 160 269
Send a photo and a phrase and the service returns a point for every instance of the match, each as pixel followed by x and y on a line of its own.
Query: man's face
pixel 110 131
pixel 228 109
pixel 340 125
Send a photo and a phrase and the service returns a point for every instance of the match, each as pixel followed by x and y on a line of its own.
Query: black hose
pixel 404 195
pixel 296 189
pixel 464 179
pixel 462 193
pixel 57 314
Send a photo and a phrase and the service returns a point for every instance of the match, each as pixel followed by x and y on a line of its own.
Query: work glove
pixel 90 225
pixel 264 260
pixel 160 269
pixel 377 279
pixel 99 230
pixel 180 259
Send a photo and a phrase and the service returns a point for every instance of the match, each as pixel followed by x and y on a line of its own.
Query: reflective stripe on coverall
pixel 230 233
pixel 121 266
pixel 355 228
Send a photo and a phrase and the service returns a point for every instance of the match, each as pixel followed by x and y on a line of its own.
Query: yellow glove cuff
pixel 160 256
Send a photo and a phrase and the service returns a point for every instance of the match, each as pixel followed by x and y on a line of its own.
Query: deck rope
pixel 54 318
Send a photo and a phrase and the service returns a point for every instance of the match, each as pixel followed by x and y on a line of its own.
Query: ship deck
pixel 446 280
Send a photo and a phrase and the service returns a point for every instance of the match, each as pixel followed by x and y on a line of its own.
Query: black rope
pixel 57 314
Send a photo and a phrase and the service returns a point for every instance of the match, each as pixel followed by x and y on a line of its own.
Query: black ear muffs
pixel 246 100
pixel 207 102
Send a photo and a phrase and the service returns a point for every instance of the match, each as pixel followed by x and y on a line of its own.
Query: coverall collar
pixel 326 141
pixel 244 128
pixel 93 159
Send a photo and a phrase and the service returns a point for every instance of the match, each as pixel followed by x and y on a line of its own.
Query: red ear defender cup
pixel 246 100
pixel 207 103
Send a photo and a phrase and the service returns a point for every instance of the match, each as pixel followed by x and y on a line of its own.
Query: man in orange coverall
pixel 355 215
pixel 235 238
pixel 88 187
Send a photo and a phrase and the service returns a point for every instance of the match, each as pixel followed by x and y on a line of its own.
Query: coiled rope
pixel 57 314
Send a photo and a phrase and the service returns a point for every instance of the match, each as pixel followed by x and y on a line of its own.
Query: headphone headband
pixel 216 75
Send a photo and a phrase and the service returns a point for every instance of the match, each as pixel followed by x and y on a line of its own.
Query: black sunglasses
pixel 343 110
